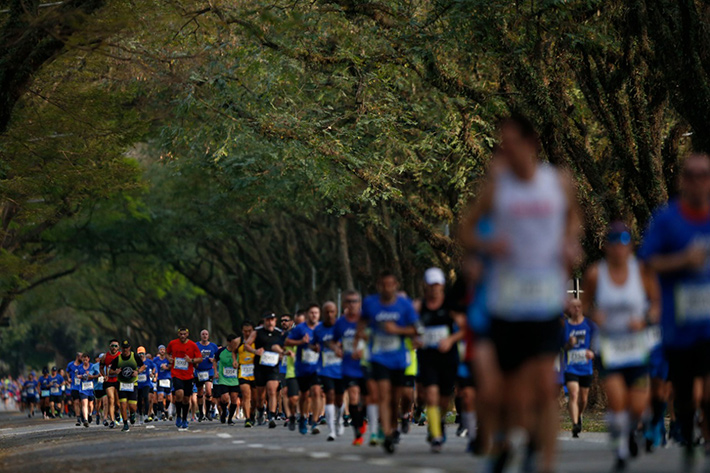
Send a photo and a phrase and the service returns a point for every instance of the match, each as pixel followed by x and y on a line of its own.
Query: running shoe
pixel 178 423
pixel 86 423
pixel 125 428
pixel 272 424
pixel 111 425
pixel 292 424
pixel 302 426
pixel 185 424
pixel 315 430
pixel 331 437
pixel 358 441
pixel 436 445
pixel 248 424
pixel 389 444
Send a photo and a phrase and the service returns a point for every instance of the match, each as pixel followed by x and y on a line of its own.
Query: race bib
pixel 180 364
pixel 54 390
pixel 30 391
pixel 142 378
pixel 164 383
pixel 654 336
pixel 230 372
pixel 348 344
pixel 77 382
pixel 383 343
pixel 558 366
pixel 87 385
pixel 269 358
pixel 692 303
pixel 331 359
pixel 309 357
pixel 577 357
pixel 534 291
pixel 44 393
pixel 100 379
pixel 434 335
pixel 203 376
pixel 625 350
pixel 247 371
pixel 126 387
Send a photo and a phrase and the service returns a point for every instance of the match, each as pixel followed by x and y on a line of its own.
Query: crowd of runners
pixel 498 344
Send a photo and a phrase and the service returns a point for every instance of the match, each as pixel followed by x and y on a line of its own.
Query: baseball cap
pixel 54 368
pixel 140 350
pixel 45 371
pixel 125 344
pixel 434 276
pixel 268 315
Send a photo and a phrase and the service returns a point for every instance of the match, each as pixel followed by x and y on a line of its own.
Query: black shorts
pixel 634 376
pixel 55 399
pixel 693 362
pixel 128 396
pixel 246 382
pixel 359 382
pixel 584 381
pixel 306 382
pixel 264 374
pixel 291 385
pixel 466 382
pixel 518 342
pixel 182 385
pixel 99 393
pixel 332 384
pixel 380 372
pixel 436 368
pixel 110 384
pixel 75 395
pixel 219 389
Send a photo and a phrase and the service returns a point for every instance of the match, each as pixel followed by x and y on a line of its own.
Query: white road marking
pixel 256 445
pixel 428 470
pixel 149 426
pixel 224 436
pixel 351 458
pixel 296 450
pixel 238 442
pixel 381 462
pixel 319 455
pixel 272 447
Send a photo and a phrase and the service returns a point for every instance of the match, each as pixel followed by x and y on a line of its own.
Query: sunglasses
pixel 352 301
pixel 285 321
pixel 619 237
pixel 113 346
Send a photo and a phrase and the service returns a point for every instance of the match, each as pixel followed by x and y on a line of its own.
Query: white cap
pixel 434 276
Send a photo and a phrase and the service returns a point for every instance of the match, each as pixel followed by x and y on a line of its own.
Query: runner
pixel 100 392
pixel 203 376
pixel 183 355
pixel 265 342
pixel 45 382
pixel 225 369
pixel 246 375
pixel 535 242
pixel 55 391
pixel 110 382
pixel 438 355
pixel 391 318
pixel 145 386
pixel 579 367
pixel 330 371
pixel 164 379
pixel 284 395
pixel 31 388
pixel 306 368
pixel 127 367
pixel 75 385
pixel 676 247
pixel 619 287
pixel 291 381
pixel 86 373
pixel 353 376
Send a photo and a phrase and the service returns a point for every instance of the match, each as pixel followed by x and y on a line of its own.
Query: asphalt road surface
pixel 38 446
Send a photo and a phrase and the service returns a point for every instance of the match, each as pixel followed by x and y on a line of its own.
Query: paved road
pixel 34 445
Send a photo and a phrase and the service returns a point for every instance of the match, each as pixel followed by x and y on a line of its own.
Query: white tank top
pixel 620 303
pixel 529 283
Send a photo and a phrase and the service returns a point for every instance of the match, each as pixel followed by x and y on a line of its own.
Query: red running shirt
pixel 108 359
pixel 181 369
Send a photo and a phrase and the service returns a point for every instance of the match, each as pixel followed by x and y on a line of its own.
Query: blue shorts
pixel 658 365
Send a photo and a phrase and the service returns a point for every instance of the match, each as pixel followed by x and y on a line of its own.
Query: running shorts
pixel 436 368
pixel 332 384
pixel 520 341
pixel 380 372
pixel 584 381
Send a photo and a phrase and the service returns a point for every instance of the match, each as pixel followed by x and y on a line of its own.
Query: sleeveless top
pixel 127 367
pixel 246 363
pixel 529 282
pixel 621 304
